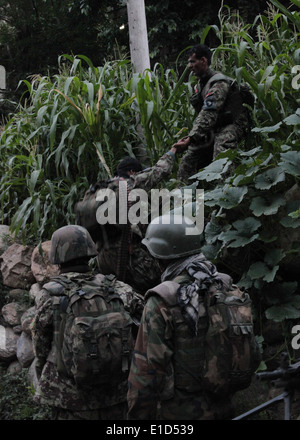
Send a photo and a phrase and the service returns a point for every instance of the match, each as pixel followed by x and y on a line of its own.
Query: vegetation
pixel 48 151
pixel 16 398
pixel 33 34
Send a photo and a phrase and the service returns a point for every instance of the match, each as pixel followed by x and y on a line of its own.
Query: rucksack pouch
pixel 231 351
pixel 100 347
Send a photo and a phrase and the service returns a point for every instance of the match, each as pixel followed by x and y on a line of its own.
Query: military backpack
pixel 92 331
pixel 231 351
pixel 239 98
pixel 222 357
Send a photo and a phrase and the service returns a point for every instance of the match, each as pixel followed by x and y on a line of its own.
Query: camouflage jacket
pixel 149 178
pixel 142 270
pixel 55 389
pixel 167 361
pixel 212 105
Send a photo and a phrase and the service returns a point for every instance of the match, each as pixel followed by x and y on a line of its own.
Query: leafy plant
pixel 253 214
pixel 16 398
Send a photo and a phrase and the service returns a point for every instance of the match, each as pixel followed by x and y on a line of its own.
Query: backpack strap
pixel 215 78
pixel 167 291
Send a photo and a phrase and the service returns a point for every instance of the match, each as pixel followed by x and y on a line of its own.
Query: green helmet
pixel 69 243
pixel 167 238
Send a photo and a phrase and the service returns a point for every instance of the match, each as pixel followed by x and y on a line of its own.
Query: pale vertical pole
pixel 138 37
pixel 139 53
pixel 2 79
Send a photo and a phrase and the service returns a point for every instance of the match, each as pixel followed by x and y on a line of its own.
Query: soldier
pixel 222 120
pixel 168 361
pixel 68 394
pixel 120 250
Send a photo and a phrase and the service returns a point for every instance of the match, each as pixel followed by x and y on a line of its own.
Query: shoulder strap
pixel 215 78
pixel 167 291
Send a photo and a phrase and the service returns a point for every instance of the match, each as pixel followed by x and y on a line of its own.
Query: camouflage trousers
pixel 115 412
pixel 197 157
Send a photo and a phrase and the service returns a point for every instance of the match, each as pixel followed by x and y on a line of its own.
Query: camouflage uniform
pixel 142 271
pixel 167 362
pixel 211 133
pixel 60 392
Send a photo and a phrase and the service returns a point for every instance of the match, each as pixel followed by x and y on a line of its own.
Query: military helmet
pixel 167 237
pixel 69 243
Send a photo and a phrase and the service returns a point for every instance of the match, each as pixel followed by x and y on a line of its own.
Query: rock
pixel 14 368
pixel 36 293
pixel 17 329
pixel 16 266
pixel 8 344
pixel 26 320
pixel 24 352
pixel 16 294
pixel 12 313
pixel 5 238
pixel 41 267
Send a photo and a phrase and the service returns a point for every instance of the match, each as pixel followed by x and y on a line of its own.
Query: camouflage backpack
pixel 92 331
pixel 231 352
pixel 224 354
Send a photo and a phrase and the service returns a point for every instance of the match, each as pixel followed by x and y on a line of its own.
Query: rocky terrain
pixel 24 270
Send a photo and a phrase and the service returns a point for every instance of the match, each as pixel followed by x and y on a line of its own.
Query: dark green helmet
pixel 69 243
pixel 167 238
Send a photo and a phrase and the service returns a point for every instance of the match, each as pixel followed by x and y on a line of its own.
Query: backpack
pixel 86 210
pixel 226 348
pixel 92 331
pixel 231 351
pixel 239 97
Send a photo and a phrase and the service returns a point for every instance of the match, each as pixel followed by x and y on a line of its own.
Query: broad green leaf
pixel 258 270
pixel 290 222
pixel 213 171
pixel 266 205
pixel 269 129
pixel 232 196
pixel 288 310
pixel 213 229
pixel 290 162
pixel 274 256
pixel 269 178
pixel 244 232
pixel 261 271
pixel 292 120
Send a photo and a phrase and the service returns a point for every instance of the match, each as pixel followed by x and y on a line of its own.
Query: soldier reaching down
pixel 222 119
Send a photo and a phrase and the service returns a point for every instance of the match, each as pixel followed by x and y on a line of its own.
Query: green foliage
pixel 252 218
pixel 16 401
pixel 48 149
pixel 73 131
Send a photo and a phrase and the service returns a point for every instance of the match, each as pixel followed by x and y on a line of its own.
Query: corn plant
pixel 72 131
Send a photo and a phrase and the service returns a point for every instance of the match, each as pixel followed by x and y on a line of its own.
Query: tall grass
pixel 72 131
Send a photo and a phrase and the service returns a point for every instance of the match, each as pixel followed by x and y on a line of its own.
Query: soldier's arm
pixel 161 170
pixel 207 118
pixel 42 330
pixel 151 361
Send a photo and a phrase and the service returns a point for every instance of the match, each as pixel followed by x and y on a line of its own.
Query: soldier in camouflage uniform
pixel 72 248
pixel 165 376
pixel 222 120
pixel 136 267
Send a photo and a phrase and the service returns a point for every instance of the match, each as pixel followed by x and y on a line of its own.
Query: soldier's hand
pixel 182 144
